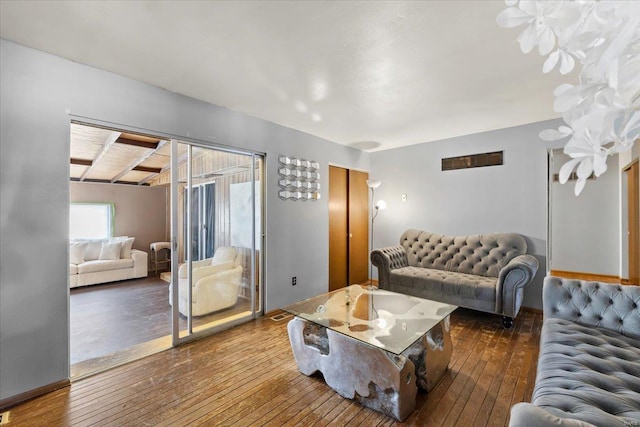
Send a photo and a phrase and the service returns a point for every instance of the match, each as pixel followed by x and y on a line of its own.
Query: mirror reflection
pixel 589 234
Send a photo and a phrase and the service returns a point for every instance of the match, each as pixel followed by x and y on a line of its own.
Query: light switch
pixel 404 197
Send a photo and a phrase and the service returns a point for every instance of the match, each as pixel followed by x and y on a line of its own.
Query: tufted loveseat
pixel 589 363
pixel 486 272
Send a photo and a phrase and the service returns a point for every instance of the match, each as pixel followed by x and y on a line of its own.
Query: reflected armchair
pixel 215 283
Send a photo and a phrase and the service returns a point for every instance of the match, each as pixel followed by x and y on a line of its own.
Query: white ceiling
pixel 374 75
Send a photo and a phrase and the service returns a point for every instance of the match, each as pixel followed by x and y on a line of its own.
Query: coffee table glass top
pixel 384 319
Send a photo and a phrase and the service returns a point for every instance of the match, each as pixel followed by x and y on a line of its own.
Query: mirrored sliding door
pixel 217 238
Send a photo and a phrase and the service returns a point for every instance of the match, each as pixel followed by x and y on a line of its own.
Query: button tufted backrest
pixel 604 305
pixel 483 254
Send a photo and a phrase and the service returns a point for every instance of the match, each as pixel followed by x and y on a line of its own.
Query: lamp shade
pixel 381 204
pixel 373 184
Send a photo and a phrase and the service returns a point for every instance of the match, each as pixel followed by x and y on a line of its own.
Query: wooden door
pixel 348 227
pixel 338 227
pixel 358 227
pixel 633 189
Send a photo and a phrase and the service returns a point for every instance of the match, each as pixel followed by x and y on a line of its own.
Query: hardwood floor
pixel 247 376
pixel 113 317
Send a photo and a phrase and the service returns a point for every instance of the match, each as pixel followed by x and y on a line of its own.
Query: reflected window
pixel 91 220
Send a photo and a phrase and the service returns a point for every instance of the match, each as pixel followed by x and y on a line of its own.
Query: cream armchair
pixel 215 283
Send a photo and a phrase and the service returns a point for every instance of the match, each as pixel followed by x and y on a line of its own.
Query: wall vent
pixel 4 418
pixel 572 177
pixel 494 158
pixel 281 316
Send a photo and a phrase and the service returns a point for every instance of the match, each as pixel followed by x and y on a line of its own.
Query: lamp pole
pixel 372 185
pixel 373 217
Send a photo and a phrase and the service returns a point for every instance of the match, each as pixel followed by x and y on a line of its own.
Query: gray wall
pixel 509 198
pixel 625 159
pixel 140 211
pixel 585 230
pixel 38 93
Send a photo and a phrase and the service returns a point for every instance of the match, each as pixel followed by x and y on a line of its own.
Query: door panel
pixel 633 189
pixel 358 227
pixel 217 202
pixel 338 227
pixel 348 227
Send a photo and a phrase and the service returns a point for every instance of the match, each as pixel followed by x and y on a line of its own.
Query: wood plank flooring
pixel 247 376
pixel 112 317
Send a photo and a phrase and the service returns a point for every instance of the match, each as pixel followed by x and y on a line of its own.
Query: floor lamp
pixel 374 213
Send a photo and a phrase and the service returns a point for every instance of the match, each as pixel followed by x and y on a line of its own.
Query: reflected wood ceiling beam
pixel 181 159
pixel 134 165
pixel 81 162
pixel 108 143
pixel 147 169
pixel 143 144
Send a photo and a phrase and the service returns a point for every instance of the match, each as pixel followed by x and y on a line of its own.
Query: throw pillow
pixel 222 255
pixel 110 250
pixel 76 252
pixel 125 251
pixel 93 249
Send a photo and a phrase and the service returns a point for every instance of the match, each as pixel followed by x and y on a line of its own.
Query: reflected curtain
pixel 202 221
pixel 209 220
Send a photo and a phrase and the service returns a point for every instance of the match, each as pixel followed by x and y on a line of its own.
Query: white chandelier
pixel 602 112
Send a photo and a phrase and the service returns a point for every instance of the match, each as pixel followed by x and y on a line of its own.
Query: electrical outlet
pixel 294 281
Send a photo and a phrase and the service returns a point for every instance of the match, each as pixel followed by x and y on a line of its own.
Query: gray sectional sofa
pixel 589 363
pixel 486 272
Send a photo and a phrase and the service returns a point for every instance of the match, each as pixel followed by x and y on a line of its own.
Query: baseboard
pixel 585 276
pixel 531 310
pixel 32 394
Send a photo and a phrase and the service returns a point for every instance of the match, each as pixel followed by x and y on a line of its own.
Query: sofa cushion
pixel 587 373
pixel 125 250
pixel 104 265
pixel 602 305
pixel 110 251
pixel 483 254
pixel 445 283
pixel 93 249
pixel 76 252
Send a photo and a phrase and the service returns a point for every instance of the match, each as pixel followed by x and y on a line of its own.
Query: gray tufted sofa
pixel 486 272
pixel 589 363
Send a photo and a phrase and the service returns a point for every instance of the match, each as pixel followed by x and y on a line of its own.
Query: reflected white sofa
pixel 105 260
pixel 215 283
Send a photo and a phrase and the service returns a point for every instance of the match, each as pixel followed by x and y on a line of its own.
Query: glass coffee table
pixel 373 346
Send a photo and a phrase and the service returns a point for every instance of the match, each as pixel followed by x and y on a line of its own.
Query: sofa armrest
pixel 201 263
pixel 387 259
pixel 201 272
pixel 139 255
pixel 529 415
pixel 140 263
pixel 182 270
pixel 603 305
pixel 220 288
pixel 512 279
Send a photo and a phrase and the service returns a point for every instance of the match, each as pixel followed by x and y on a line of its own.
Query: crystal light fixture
pixel 602 111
